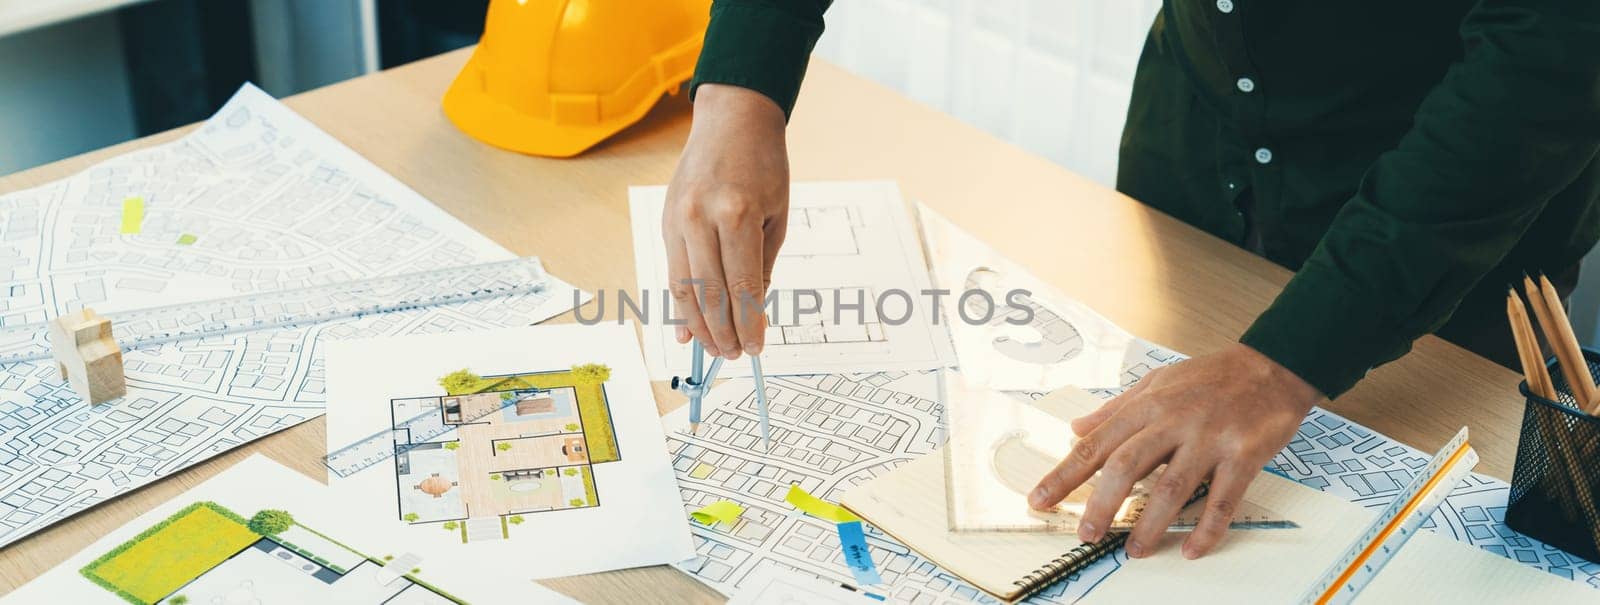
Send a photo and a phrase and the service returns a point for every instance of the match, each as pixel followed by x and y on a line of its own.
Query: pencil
pixel 1576 379
pixel 1569 341
pixel 1591 402
pixel 1533 368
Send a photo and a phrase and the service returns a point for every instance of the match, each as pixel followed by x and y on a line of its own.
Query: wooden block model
pixel 87 356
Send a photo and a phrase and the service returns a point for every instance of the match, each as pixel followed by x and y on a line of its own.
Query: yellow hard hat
pixel 554 77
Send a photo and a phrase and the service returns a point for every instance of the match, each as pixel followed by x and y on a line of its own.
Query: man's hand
pixel 727 210
pixel 1221 416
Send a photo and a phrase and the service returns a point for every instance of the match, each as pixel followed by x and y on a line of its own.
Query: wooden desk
pixel 1153 275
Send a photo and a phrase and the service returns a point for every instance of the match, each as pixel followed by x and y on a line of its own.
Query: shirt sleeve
pixel 763 45
pixel 1506 129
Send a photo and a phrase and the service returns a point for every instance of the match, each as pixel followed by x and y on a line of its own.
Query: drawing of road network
pixel 274 204
pixel 832 432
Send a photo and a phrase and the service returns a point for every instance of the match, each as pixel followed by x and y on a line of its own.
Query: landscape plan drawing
pixel 536 450
pixel 848 291
pixel 255 200
pixel 833 431
pixel 261 533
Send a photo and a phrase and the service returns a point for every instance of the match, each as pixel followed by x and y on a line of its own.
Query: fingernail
pixel 754 349
pixel 712 351
pixel 733 354
pixel 1087 532
pixel 683 335
pixel 1037 497
pixel 1135 550
pixel 1190 552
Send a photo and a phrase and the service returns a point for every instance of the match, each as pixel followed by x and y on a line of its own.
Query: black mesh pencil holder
pixel 1555 486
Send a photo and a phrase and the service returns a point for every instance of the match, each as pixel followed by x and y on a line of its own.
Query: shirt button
pixel 1225 6
pixel 1245 84
pixel 1263 156
pixel 1232 185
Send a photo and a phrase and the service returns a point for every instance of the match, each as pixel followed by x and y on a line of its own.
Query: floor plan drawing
pixel 791 321
pixel 490 445
pixel 822 231
pixel 276 204
pixel 259 532
pixel 206 553
pixel 501 453
pixel 848 242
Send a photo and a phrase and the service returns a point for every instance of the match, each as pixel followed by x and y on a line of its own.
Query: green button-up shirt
pixel 1404 158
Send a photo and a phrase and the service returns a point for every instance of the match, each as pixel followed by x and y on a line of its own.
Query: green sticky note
pixel 721 511
pixel 132 215
pixel 186 239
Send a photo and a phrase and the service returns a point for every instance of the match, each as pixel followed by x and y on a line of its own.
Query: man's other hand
pixel 1220 417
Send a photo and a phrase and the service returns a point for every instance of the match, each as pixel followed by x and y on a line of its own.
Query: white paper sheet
pixel 772 585
pixel 1278 566
pixel 205 557
pixel 530 476
pixel 275 204
pixel 847 241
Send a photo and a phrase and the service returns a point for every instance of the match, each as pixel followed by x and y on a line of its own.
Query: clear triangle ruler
pixel 1395 525
pixel 295 307
pixel 997 448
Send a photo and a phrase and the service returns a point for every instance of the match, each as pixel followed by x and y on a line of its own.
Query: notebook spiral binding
pixel 1068 563
pixel 1072 561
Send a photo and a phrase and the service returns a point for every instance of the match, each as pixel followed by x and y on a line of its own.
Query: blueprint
pixel 534 467
pixel 834 431
pixel 848 292
pixel 257 199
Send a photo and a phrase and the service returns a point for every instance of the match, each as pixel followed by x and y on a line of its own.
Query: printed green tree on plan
pixel 515 520
pixel 576 502
pixel 450 525
pixel 571 472
pixel 503 446
pixel 270 522
pixel 453 445
pixel 591 373
pixel 411 517
pixel 460 381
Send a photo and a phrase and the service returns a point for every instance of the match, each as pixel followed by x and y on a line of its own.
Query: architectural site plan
pixel 261 533
pixel 489 444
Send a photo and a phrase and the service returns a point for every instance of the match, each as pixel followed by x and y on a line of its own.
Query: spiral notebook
pixel 909 504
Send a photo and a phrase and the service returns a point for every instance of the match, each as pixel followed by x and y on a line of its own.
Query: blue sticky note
pixel 856 554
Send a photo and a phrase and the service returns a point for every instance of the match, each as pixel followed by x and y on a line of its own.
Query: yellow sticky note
pixel 132 215
pixel 817 507
pixel 721 511
pixel 187 239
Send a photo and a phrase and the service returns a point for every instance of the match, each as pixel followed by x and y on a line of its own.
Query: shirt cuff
pixel 762 48
pixel 1326 332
